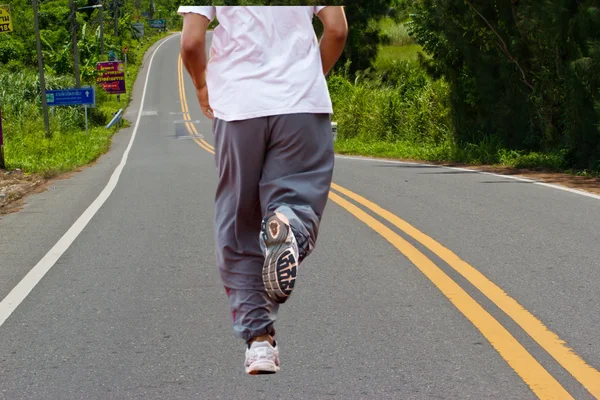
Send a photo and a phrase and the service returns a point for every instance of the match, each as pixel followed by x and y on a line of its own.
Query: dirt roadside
pixel 15 186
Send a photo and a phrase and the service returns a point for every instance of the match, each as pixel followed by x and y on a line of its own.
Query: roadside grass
pixel 398 150
pixel 69 148
pixel 64 151
pixel 450 152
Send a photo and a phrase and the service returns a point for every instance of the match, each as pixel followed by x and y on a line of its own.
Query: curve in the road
pixel 557 348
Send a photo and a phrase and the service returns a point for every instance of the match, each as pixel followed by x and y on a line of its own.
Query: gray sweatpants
pixel 280 163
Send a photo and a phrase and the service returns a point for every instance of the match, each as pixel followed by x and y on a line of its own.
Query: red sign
pixel 111 76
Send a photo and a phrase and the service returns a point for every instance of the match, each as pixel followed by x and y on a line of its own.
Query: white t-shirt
pixel 264 61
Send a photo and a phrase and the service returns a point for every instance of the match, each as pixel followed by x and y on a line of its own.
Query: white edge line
pixel 26 285
pixel 516 178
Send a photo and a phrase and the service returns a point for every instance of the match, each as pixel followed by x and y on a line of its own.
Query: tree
pixel 364 35
pixel 524 71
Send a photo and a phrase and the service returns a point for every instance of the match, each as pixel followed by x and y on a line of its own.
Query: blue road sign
pixel 158 23
pixel 71 97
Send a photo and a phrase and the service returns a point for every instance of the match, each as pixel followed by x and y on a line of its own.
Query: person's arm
pixel 193 47
pixel 193 50
pixel 335 32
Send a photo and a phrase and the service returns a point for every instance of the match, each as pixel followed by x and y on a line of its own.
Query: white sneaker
pixel 281 259
pixel 262 358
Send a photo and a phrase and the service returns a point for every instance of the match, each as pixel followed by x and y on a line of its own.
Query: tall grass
pixel 400 112
pixel 26 146
pixel 21 99
pixel 400 104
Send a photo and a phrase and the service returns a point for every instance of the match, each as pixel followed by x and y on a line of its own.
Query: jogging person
pixel 264 87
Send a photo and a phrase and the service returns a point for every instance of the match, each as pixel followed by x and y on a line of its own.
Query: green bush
pixel 9 50
pixel 400 103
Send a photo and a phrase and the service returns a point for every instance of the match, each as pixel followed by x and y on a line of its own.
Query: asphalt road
pixel 427 282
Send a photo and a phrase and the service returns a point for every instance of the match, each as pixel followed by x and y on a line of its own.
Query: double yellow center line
pixel 191 128
pixel 540 381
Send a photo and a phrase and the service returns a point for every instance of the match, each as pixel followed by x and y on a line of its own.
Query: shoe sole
pixel 262 368
pixel 281 267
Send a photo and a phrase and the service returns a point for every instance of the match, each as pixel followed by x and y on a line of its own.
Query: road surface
pixel 427 282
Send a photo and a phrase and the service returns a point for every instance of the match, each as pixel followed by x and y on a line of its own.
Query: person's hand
pixel 202 94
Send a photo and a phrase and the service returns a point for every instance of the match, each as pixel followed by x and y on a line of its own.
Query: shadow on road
pixel 381 165
pixel 511 181
pixel 449 173
pixel 591 184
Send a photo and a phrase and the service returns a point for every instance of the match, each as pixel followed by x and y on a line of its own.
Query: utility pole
pixel 2 164
pixel 41 67
pixel 74 40
pixel 101 30
pixel 116 18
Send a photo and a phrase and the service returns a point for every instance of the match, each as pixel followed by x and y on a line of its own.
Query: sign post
pixel 85 96
pixel 111 77
pixel 5 21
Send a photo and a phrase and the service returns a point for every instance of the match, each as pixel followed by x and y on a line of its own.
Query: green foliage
pixel 514 82
pixel 395 34
pixel 26 146
pixel 399 103
pixel 364 34
pixel 399 111
pixel 486 152
pixel 35 153
pixel 389 53
pixel 69 147
pixel 527 72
